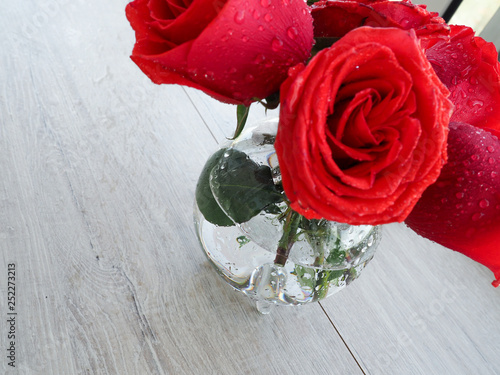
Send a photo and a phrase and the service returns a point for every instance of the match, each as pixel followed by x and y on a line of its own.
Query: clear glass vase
pixel 261 247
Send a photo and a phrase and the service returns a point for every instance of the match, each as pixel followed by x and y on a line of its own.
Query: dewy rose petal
pixel 462 209
pixel 362 128
pixel 469 67
pixel 237 51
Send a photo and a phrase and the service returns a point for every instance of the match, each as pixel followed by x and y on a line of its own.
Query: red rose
pixel 233 50
pixel 362 128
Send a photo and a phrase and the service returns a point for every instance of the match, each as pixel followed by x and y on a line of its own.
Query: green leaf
pixel 242 116
pixel 204 197
pixel 242 187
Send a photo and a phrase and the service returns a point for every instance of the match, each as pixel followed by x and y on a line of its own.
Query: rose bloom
pixel 234 50
pixel 362 128
pixel 461 210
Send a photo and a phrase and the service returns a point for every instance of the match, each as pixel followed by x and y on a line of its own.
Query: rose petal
pixel 191 23
pixel 469 67
pixel 237 51
pixel 462 209
pixel 267 43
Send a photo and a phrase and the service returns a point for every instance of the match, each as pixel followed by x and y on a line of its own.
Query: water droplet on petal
pixel 239 17
pixel 249 78
pixel 245 39
pixel 474 157
pixel 484 203
pixel 259 59
pixel 265 3
pixel 276 44
pixel 404 22
pixel 292 32
pixel 268 17
pixel 494 174
pixel 490 148
pixel 256 14
pixel 459 195
pixel 477 103
pixel 477 216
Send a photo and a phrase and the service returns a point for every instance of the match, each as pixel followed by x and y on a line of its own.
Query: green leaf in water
pixel 242 187
pixel 207 204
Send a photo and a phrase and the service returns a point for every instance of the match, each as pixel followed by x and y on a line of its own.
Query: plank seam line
pixel 338 333
pixel 199 114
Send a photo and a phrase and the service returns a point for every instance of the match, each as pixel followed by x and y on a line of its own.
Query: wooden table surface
pixel 98 169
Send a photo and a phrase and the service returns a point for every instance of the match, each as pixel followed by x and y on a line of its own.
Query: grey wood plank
pixel 420 308
pixel 98 174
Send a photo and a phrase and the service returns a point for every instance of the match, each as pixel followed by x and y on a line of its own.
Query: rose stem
pixel 288 238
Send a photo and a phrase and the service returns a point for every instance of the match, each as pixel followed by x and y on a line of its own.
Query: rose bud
pixel 237 51
pixel 362 129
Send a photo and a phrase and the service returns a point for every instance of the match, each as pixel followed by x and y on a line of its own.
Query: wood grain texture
pixel 98 174
pixel 420 309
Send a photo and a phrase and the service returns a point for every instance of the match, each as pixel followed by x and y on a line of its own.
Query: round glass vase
pixel 257 243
